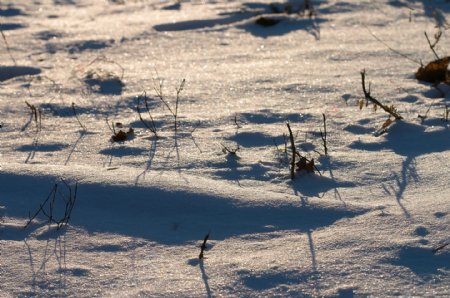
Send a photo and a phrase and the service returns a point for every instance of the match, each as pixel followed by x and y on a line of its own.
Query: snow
pixel 366 225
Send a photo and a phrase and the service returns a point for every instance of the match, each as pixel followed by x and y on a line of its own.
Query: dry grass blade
pixel 7 47
pixel 391 110
pixel 203 247
pixel 294 150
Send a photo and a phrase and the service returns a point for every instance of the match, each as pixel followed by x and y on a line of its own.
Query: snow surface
pixel 365 226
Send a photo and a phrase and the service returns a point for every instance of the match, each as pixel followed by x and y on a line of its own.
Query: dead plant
pixel 121 135
pixel 391 110
pixel 151 126
pixel 173 110
pixel 203 246
pixel 48 207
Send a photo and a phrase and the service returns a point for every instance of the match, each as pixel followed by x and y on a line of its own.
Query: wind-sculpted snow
pixel 169 119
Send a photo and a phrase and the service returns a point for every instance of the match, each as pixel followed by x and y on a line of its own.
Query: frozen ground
pixel 365 226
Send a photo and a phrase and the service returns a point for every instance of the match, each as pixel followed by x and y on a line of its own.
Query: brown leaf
pixel 386 123
pixel 119 136
pixel 304 164
pixel 361 104
pixel 435 71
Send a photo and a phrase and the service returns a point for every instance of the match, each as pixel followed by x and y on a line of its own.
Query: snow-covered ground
pixel 366 225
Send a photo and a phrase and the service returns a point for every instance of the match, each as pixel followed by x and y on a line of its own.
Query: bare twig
pixel 437 37
pixel 391 110
pixel 36 114
pixel 152 126
pixel 294 150
pixel 47 208
pixel 446 113
pixel 323 134
pixel 231 151
pixel 78 119
pixel 173 111
pixel 203 246
pixel 179 89
pixel 394 50
pixel 236 122
pixel 7 47
pixel 423 117
pixel 440 247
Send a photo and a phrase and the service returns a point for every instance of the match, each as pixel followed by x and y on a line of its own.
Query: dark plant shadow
pixel 82 134
pixel 11 26
pixel 200 263
pixel 78 47
pixel 314 185
pixel 55 251
pixel 11 11
pixel 261 281
pixel 42 147
pixel 432 9
pixel 271 117
pixel 410 141
pixel 204 24
pixel 254 139
pixel 106 86
pixel 284 26
pixel 233 169
pixel 422 261
pixel 9 72
pixel 245 19
pixel 151 156
pixel 151 212
pixel 205 279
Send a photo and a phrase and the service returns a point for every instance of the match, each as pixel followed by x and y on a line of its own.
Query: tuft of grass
pixel 54 198
pixel 151 126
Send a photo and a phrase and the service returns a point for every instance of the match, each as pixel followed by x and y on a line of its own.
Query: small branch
pixel 446 113
pixel 50 203
pixel 230 151
pixel 323 134
pixel 78 119
pixel 394 50
pixel 41 207
pixel 437 37
pixel 203 246
pixel 440 247
pixel 151 127
pixel 391 110
pixel 160 95
pixel 236 122
pixel 179 89
pixel 36 114
pixel 423 117
pixel 291 138
pixel 8 48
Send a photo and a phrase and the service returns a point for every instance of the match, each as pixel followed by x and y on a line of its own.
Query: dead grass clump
pixel 303 164
pixel 230 151
pixel 57 200
pixel 149 124
pixel 172 108
pixel 391 110
pixel 122 134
